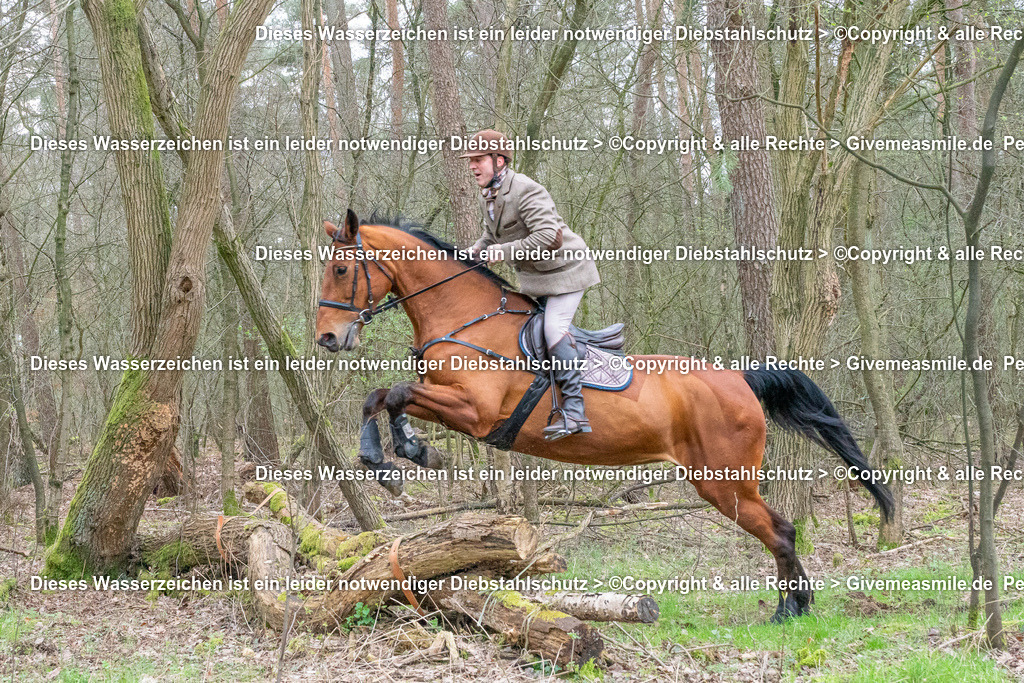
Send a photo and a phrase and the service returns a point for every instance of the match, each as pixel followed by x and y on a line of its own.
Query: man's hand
pixel 492 254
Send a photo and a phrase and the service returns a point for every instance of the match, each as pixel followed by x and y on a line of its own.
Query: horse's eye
pixel 340 270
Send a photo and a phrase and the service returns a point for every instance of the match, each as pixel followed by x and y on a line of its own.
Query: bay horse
pixel 700 419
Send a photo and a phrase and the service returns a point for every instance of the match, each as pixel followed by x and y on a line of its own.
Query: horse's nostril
pixel 327 339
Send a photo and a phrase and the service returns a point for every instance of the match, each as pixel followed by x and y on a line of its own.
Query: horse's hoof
pixel 785 612
pixel 434 460
pixel 392 486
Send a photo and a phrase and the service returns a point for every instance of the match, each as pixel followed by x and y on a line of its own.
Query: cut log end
pixel 637 609
pixel 555 636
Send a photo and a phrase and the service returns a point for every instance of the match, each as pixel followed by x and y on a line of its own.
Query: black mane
pixel 436 242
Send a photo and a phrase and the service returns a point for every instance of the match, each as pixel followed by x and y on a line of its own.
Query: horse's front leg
pixel 452 407
pixel 407 444
pixel 371 453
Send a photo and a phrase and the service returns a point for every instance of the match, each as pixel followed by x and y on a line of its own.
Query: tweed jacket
pixel 525 223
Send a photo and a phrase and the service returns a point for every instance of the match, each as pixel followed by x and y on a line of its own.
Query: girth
pixel 504 435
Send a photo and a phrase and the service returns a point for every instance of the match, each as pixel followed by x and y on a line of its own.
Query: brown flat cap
pixel 488 142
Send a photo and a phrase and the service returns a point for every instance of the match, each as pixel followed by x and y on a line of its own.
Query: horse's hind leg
pixel 797 600
pixel 740 502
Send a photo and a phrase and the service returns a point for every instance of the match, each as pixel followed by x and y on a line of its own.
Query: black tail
pixel 797 404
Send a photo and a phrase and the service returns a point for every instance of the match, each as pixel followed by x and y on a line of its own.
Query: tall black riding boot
pixel 569 378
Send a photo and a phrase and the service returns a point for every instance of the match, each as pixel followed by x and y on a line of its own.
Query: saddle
pixel 603 369
pixel 532 341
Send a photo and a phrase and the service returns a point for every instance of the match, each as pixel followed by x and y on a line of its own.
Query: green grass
pixel 837 642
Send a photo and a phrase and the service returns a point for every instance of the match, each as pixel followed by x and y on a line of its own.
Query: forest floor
pixel 702 635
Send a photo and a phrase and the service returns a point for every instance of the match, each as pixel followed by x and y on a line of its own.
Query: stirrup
pixel 554 432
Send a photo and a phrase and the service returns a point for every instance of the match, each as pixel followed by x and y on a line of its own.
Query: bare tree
pixel 449 123
pixel 143 420
pixel 987 457
pixel 739 84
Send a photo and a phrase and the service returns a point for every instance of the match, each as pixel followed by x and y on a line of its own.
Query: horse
pixel 706 420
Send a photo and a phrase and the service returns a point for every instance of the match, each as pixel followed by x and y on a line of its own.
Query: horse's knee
pixel 374 403
pixel 397 399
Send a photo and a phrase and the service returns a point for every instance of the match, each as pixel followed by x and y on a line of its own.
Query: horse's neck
pixel 441 310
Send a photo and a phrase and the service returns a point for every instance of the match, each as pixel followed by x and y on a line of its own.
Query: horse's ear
pixel 347 233
pixel 351 226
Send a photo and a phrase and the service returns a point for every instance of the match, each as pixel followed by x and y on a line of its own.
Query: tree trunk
pixel 637 609
pixel 259 435
pixel 280 346
pixel 502 488
pixel 813 194
pixel 65 313
pixel 258 547
pixel 450 123
pixel 859 226
pixel 311 210
pixel 334 127
pixel 10 385
pixel 147 217
pixel 986 429
pixel 228 422
pixel 531 509
pixel 397 94
pixel 561 57
pixel 14 472
pixel 143 421
pixel 502 81
pixel 39 390
pixel 685 125
pixel 738 85
pixel 554 635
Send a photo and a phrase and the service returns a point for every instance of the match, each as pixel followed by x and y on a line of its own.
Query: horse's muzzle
pixel 329 341
pixel 349 340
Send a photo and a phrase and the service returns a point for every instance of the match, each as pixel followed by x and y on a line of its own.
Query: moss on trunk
pixel 108 502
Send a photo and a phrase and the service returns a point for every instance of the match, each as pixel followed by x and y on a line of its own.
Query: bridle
pixel 370 311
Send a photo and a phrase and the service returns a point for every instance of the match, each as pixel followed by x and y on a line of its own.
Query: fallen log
pixel 472 546
pixel 315 538
pixel 261 547
pixel 450 547
pixel 638 609
pixel 554 635
pixel 541 563
pixel 257 548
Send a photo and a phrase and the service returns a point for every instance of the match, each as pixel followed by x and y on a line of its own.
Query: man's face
pixel 482 168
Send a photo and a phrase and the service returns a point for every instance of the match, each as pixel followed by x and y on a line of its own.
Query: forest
pixel 195 341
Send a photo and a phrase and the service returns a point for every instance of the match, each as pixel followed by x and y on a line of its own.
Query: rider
pixel 522 226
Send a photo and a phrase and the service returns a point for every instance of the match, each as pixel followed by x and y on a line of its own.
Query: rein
pixel 367 314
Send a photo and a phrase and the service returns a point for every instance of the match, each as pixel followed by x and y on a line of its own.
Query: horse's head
pixel 353 285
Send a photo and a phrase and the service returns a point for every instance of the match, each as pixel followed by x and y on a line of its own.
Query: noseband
pixel 366 314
